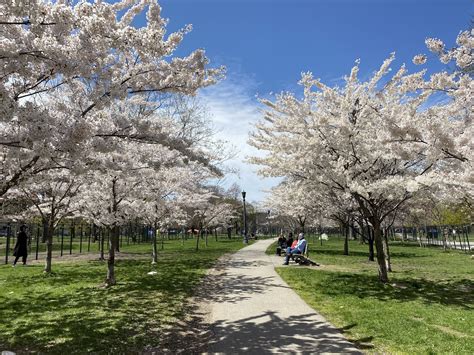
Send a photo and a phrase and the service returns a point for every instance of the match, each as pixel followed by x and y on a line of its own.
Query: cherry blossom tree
pixel 62 65
pixel 363 140
pixel 208 210
pixel 54 195
pixel 166 197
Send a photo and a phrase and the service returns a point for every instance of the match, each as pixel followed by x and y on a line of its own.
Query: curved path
pixel 252 310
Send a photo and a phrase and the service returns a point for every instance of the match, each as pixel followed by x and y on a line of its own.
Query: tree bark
pixel 346 239
pixel 45 231
pixel 386 250
pixel 101 245
pixel 198 236
pixel 378 239
pixel 117 236
pixel 110 280
pixel 49 247
pixel 444 231
pixel 197 240
pixel 155 249
pixel 370 234
pixel 419 235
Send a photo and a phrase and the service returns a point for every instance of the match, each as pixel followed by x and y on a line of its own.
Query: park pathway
pixel 252 310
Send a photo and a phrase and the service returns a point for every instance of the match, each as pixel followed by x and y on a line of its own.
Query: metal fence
pixel 453 237
pixel 72 238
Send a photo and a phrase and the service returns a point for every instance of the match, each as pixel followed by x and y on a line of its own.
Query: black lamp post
pixel 269 223
pixel 246 240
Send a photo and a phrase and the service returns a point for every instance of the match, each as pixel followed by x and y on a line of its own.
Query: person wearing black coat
pixel 289 240
pixel 281 245
pixel 21 246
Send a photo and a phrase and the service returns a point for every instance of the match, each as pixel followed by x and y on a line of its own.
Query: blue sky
pixel 266 44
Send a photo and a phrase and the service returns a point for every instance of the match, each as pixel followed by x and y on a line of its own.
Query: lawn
pixel 428 306
pixel 69 311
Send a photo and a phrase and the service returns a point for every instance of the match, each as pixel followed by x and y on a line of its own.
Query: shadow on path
pixel 268 333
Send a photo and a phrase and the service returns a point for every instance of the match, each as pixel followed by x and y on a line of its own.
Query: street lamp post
pixel 246 240
pixel 269 223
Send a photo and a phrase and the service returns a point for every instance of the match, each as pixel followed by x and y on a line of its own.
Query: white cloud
pixel 234 109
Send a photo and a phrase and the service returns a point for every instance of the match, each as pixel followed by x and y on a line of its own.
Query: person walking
pixel 21 246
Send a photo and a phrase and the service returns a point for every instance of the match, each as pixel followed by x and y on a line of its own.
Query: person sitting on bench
pixel 298 249
pixel 280 245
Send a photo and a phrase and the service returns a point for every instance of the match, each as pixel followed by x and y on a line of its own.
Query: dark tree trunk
pixel 49 246
pixel 45 231
pixel 155 249
pixel 197 240
pixel 101 245
pixel 110 280
pixel 117 236
pixel 198 237
pixel 346 239
pixel 378 239
pixel 370 234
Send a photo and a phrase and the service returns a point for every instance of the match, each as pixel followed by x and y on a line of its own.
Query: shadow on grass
pixel 453 293
pixel 68 312
pixel 365 254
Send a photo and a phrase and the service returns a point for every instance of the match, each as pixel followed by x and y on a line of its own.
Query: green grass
pixel 69 311
pixel 426 308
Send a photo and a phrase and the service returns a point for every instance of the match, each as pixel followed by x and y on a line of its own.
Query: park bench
pixel 303 259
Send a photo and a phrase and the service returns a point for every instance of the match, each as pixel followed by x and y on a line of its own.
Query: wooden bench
pixel 303 259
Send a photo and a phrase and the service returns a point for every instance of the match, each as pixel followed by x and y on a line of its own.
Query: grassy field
pixel 69 311
pixel 427 308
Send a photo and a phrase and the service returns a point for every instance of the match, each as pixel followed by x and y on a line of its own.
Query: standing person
pixel 21 246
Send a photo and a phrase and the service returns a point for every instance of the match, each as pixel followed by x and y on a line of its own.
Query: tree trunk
pixel 206 234
pixel 363 232
pixel 370 234
pixel 101 245
pixel 197 240
pixel 110 280
pixel 378 239
pixel 45 231
pixel 155 249
pixel 346 239
pixel 419 235
pixel 215 233
pixel 49 247
pixel 445 238
pixel 386 251
pixel 117 236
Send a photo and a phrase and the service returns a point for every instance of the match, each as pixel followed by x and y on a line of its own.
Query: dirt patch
pixel 89 257
pixel 444 329
pixel 451 331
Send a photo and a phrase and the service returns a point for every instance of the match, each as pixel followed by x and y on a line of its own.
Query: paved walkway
pixel 254 311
